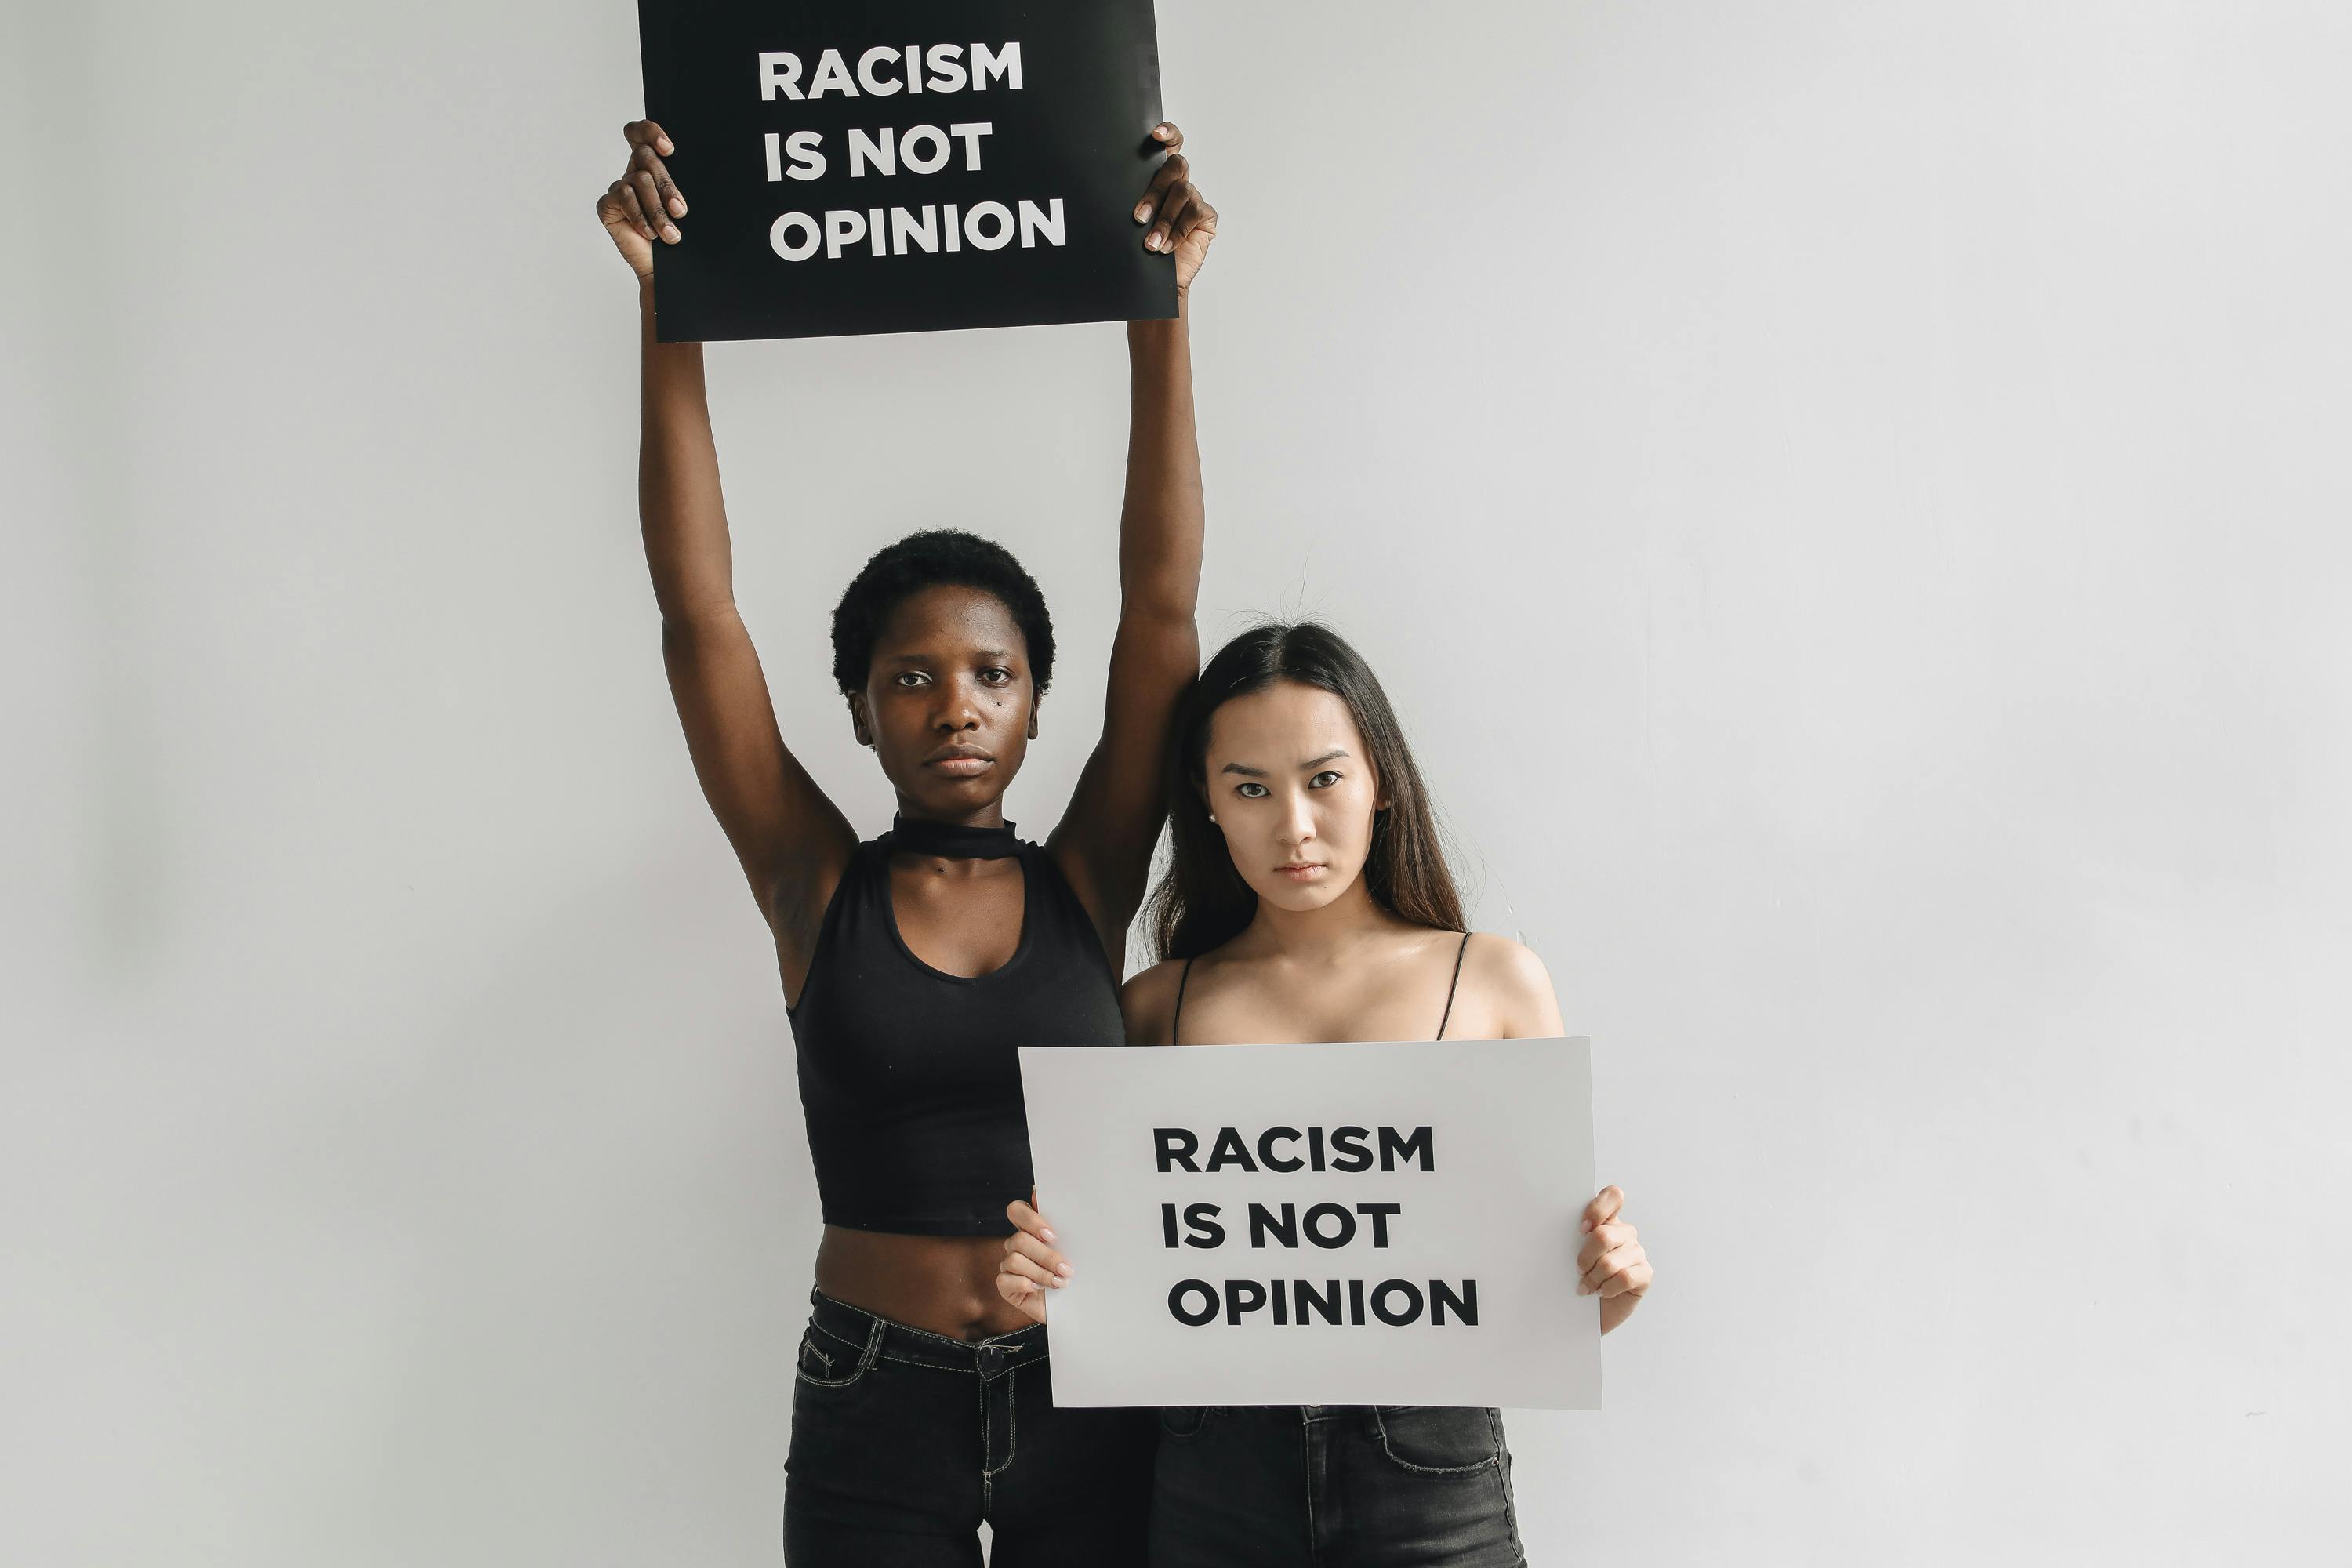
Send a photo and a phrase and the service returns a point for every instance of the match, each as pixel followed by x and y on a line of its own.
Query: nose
pixel 957 709
pixel 1297 823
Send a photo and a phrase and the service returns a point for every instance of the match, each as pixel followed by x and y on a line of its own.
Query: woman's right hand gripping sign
pixel 1031 1266
pixel 643 204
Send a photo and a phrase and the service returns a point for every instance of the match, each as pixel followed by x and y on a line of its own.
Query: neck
pixel 989 815
pixel 938 839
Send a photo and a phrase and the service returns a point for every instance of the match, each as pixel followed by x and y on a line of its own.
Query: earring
pixel 1212 817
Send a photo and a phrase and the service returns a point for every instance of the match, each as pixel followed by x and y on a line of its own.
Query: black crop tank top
pixel 908 1079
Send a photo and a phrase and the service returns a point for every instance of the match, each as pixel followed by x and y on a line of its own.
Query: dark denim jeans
pixel 1333 1485
pixel 903 1441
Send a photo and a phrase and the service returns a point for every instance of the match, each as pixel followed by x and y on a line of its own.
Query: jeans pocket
pixel 824 1362
pixel 1439 1440
pixel 1183 1423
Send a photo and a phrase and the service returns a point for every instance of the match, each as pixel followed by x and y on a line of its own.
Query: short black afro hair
pixel 927 559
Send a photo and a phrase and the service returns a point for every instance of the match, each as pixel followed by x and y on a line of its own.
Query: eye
pixel 910 679
pixel 996 675
pixel 1317 782
pixel 1245 791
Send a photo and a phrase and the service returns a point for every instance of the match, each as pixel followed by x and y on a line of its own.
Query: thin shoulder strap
pixel 1177 1018
pixel 1449 990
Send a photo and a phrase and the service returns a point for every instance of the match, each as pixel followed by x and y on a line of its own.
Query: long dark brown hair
pixel 1202 901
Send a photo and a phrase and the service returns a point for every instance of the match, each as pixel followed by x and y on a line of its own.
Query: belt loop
pixel 996 1357
pixel 873 1346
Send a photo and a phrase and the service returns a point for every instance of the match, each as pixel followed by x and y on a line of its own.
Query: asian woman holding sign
pixel 1308 900
pixel 913 965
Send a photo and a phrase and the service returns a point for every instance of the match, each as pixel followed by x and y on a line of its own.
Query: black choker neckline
pixel 921 835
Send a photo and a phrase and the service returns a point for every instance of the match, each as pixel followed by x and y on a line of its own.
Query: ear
pixel 858 724
pixel 1034 703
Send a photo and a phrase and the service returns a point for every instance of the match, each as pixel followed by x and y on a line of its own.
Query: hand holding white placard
pixel 1318 1224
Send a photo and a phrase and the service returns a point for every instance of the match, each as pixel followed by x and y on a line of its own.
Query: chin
pixel 1298 899
pixel 968 795
pixel 944 792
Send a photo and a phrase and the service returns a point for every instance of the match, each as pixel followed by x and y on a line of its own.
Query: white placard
pixel 1431 1211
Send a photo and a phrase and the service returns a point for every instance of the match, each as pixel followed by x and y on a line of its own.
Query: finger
pixel 1631 1281
pixel 1605 1206
pixel 633 208
pixel 1171 210
pixel 1197 216
pixel 1601 1267
pixel 1173 170
pixel 1021 1267
pixel 626 198
pixel 1167 135
pixel 1200 217
pixel 1021 1245
pixel 610 210
pixel 1605 1265
pixel 1028 1219
pixel 668 200
pixel 1022 1295
pixel 649 202
pixel 645 134
pixel 1602 1238
pixel 1171 174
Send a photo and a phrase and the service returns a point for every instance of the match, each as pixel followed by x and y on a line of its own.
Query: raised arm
pixel 1104 841
pixel 791 840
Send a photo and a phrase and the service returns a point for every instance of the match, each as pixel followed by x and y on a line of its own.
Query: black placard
pixel 1042 230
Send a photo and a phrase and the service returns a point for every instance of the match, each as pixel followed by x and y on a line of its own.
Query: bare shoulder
pixel 1515 984
pixel 1148 1003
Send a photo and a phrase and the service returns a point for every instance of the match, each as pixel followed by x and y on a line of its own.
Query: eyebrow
pixel 1332 755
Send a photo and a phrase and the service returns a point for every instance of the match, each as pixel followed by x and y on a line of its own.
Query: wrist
pixel 1155 335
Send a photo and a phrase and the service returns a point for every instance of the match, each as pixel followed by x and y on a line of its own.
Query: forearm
pixel 1161 524
pixel 680 503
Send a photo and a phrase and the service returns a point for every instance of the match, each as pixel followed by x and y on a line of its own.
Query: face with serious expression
pixel 1291 787
pixel 948 706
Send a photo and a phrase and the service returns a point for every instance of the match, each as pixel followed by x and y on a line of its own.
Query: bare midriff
pixel 943 1283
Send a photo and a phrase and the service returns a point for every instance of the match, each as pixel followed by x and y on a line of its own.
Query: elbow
pixel 685 620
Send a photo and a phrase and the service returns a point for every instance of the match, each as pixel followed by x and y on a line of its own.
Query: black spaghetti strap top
pixel 909 1076
pixel 1184 978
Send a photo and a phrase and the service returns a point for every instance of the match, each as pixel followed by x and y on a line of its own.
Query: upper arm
pixel 1104 841
pixel 1525 1005
pixel 791 840
pixel 1148 1004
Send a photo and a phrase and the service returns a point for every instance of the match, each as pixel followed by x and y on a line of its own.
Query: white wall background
pixel 1850 497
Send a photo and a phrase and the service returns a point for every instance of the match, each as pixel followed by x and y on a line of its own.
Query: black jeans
pixel 1333 1485
pixel 903 1441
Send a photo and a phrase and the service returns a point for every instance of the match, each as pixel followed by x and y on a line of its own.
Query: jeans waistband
pixel 873 1339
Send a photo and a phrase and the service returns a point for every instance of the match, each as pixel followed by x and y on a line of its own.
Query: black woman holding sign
pixel 913 965
pixel 1308 900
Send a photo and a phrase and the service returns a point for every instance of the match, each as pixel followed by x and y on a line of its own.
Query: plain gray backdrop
pixel 1849 498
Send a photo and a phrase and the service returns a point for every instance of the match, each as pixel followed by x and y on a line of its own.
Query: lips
pixel 1300 873
pixel 960 761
